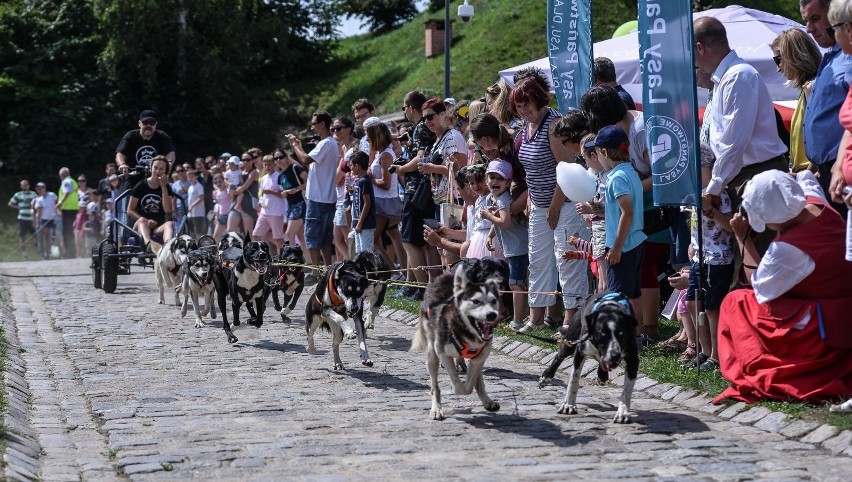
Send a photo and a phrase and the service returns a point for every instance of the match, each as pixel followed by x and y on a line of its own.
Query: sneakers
pixel 407 292
pixel 697 361
pixel 530 327
pixel 551 322
pixel 398 277
pixel 516 325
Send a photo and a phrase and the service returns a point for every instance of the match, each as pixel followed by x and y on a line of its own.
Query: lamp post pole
pixel 447 42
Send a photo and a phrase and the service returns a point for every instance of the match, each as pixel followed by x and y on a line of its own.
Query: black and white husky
pixel 604 329
pixel 169 263
pixel 240 275
pixel 198 272
pixel 338 297
pixel 231 239
pixel 377 267
pixel 456 321
pixel 289 279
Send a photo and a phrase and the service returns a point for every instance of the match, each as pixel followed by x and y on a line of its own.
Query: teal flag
pixel 669 100
pixel 569 47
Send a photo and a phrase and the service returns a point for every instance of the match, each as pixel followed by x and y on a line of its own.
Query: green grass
pixel 502 34
pixel 664 368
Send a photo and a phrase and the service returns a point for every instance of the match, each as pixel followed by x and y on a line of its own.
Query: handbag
pixel 451 213
pixel 421 198
pixel 657 219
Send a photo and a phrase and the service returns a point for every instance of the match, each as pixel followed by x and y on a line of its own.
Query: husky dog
pixel 288 279
pixel 377 267
pixel 339 295
pixel 239 274
pixel 168 264
pixel 605 329
pixel 458 325
pixel 198 272
pixel 231 239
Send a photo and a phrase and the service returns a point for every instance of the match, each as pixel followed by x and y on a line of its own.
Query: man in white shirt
pixel 743 133
pixel 320 192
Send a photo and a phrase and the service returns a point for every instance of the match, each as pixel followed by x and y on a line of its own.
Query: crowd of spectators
pixel 474 179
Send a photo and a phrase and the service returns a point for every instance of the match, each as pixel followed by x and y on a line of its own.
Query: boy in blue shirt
pixel 363 214
pixel 623 213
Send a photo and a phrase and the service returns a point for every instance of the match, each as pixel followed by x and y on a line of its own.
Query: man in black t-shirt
pixel 139 146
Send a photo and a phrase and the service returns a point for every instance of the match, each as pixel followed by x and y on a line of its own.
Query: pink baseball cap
pixel 500 167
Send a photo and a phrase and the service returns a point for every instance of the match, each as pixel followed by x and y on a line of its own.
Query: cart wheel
pixel 109 264
pixel 96 267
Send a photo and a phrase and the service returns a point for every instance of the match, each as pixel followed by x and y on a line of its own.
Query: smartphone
pixel 432 223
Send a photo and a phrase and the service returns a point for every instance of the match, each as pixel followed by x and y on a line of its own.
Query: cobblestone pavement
pixel 117 387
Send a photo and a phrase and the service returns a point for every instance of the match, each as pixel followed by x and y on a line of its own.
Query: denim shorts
pixel 319 224
pixel 717 281
pixel 518 269
pixel 296 211
pixel 340 214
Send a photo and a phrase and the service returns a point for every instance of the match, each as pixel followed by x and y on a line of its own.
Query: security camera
pixel 465 12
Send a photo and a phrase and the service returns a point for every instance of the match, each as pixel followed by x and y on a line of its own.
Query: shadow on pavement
pixel 512 375
pixel 398 343
pixel 531 427
pixel 668 422
pixel 276 346
pixel 383 380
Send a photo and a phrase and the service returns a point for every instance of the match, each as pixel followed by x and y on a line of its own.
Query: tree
pixel 379 15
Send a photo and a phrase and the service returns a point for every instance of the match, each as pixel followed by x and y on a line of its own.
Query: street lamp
pixel 465 12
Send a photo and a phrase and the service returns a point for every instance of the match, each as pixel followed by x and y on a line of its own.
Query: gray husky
pixel 456 321
pixel 198 272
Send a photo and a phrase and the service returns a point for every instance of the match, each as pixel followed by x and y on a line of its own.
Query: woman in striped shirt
pixel 551 219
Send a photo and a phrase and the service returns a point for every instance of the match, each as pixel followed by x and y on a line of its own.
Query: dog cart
pixel 122 245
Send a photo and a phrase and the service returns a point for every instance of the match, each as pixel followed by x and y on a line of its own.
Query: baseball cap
pixel 41 184
pixel 611 137
pixel 234 160
pixel 372 121
pixel 501 168
pixel 225 155
pixel 148 115
pixel 772 197
pixel 112 177
pixel 450 101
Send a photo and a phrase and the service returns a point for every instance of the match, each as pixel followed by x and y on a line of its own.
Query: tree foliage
pixel 74 74
pixel 380 15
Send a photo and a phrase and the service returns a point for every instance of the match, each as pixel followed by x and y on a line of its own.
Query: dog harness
pixel 283 277
pixel 616 298
pixel 332 294
pixel 464 348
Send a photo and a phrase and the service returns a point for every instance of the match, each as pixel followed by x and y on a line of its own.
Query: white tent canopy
pixel 750 33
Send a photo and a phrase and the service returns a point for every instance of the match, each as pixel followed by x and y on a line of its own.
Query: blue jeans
pixel 319 224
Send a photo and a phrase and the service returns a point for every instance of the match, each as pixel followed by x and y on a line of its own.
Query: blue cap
pixel 611 137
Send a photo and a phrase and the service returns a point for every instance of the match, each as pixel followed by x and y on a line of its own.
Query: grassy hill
pixel 383 68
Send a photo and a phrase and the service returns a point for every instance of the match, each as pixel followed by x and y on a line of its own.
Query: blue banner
pixel 569 47
pixel 669 100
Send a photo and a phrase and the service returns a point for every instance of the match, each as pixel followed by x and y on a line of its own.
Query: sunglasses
pixel 406 106
pixel 81 180
pixel 180 170
pixel 336 128
pixel 429 117
pixel 149 122
pixel 247 159
pixel 833 29
pixel 777 59
pixel 278 158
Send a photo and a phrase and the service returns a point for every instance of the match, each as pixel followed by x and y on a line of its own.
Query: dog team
pixel 458 314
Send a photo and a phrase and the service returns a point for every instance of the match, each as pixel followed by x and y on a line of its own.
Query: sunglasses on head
pixel 149 122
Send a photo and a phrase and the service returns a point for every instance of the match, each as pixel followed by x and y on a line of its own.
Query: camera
pixel 465 12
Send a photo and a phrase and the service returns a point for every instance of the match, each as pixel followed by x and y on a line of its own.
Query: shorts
pixel 624 277
pixel 267 223
pixel 518 269
pixel 388 206
pixel 25 227
pixel 340 214
pixel 296 211
pixel 411 226
pixel 655 253
pixel 319 224
pixel 222 219
pixel 717 282
pixel 79 220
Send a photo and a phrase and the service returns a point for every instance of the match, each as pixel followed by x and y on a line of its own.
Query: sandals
pixel 548 321
pixel 709 365
pixel 688 354
pixel 530 327
pixel 672 345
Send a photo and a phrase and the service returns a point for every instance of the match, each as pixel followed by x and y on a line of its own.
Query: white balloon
pixel 576 183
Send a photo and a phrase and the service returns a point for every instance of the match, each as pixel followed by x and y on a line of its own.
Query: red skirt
pixel 765 357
